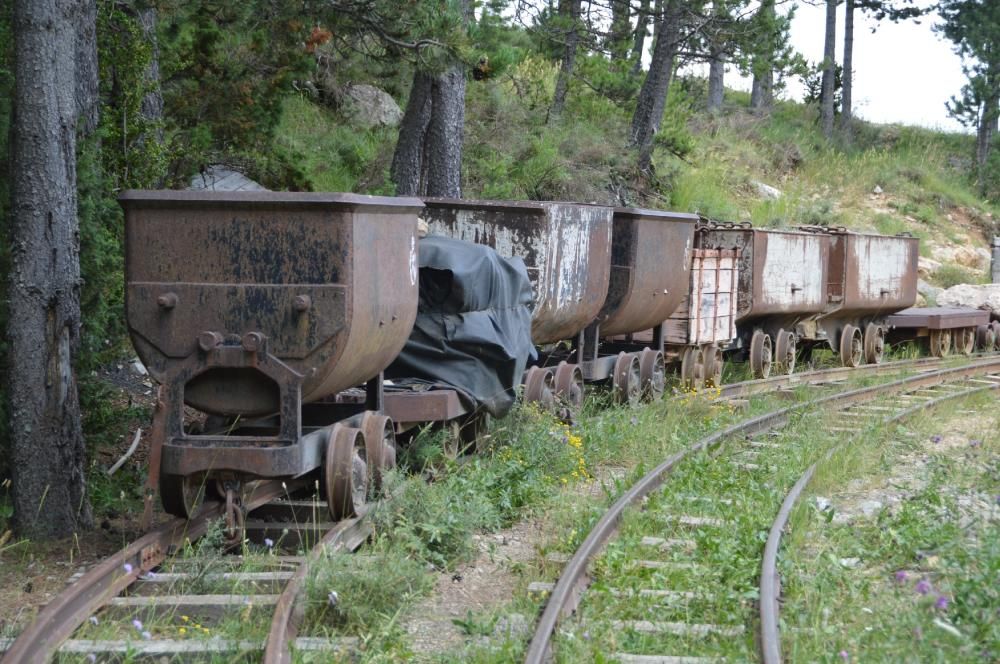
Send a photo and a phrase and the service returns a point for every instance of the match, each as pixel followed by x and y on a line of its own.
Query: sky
pixel 904 72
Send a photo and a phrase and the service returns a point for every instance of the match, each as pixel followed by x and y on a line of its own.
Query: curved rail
pixel 63 615
pixel 770 581
pixel 566 594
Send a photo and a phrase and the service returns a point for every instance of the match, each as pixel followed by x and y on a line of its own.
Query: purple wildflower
pixel 137 624
pixel 634 420
pixel 901 576
pixel 935 439
pixel 975 443
pixel 923 586
pixel 147 636
pixel 127 567
pixel 843 655
pixel 268 542
pixel 941 603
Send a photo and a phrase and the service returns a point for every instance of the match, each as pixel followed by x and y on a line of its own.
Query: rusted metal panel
pixel 938 318
pixel 565 246
pixel 881 273
pixel 327 281
pixel 714 278
pixel 781 272
pixel 650 268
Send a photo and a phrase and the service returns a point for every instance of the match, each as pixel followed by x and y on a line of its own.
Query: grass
pixel 935 534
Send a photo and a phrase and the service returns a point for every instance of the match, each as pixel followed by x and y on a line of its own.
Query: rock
pixel 927 290
pixel 822 504
pixel 139 367
pixel 981 296
pixel 850 563
pixel 222 178
pixel 870 507
pixel 766 190
pixel 977 258
pixel 514 626
pixel 877 190
pixel 368 106
pixel 927 266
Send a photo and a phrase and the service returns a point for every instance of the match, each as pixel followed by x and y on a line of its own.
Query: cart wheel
pixel 380 446
pixel 652 373
pixel 940 342
pixel 182 495
pixel 538 387
pixel 627 381
pixel 712 358
pixel 784 351
pixel 569 388
pixel 985 338
pixel 345 472
pixel 965 342
pixel 995 326
pixel 760 354
pixel 852 348
pixel 874 343
pixel 693 368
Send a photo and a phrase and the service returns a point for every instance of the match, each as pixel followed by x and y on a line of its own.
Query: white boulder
pixel 975 296
pixel 766 190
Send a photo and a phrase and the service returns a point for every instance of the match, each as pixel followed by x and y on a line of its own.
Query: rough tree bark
pixel 569 10
pixel 762 89
pixel 848 75
pixel 653 95
pixel 428 156
pixel 443 143
pixel 716 59
pixel 641 29
pixel 47 445
pixel 407 161
pixel 152 102
pixel 829 69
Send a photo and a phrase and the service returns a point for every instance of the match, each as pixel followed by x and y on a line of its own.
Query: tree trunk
pixel 407 161
pixel 716 82
pixel 653 94
pixel 47 446
pixel 762 90
pixel 621 27
pixel 641 29
pixel 829 68
pixel 443 143
pixel 848 75
pixel 571 14
pixel 152 102
pixel 988 126
pixel 87 83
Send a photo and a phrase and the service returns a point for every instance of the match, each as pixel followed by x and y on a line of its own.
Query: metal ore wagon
pixel 248 306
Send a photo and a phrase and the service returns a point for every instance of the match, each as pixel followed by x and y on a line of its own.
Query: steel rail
pixel 770 580
pixel 287 617
pixel 71 608
pixel 568 590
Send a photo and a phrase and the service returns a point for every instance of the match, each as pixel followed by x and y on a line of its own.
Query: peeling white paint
pixel 881 264
pixel 792 272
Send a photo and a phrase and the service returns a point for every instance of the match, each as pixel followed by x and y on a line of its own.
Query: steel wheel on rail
pixel 995 326
pixel 940 342
pixel 539 387
pixel 965 342
pixel 652 373
pixel 761 354
pixel 345 472
pixel 985 338
pixel 380 446
pixel 626 381
pixel 182 495
pixel 712 358
pixel 784 351
pixel 569 388
pixel 693 368
pixel 852 350
pixel 874 343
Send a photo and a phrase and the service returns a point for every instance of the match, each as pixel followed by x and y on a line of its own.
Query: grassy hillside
pixel 709 164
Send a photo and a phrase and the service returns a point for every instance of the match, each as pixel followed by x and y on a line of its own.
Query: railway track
pixel 621 605
pixel 134 577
